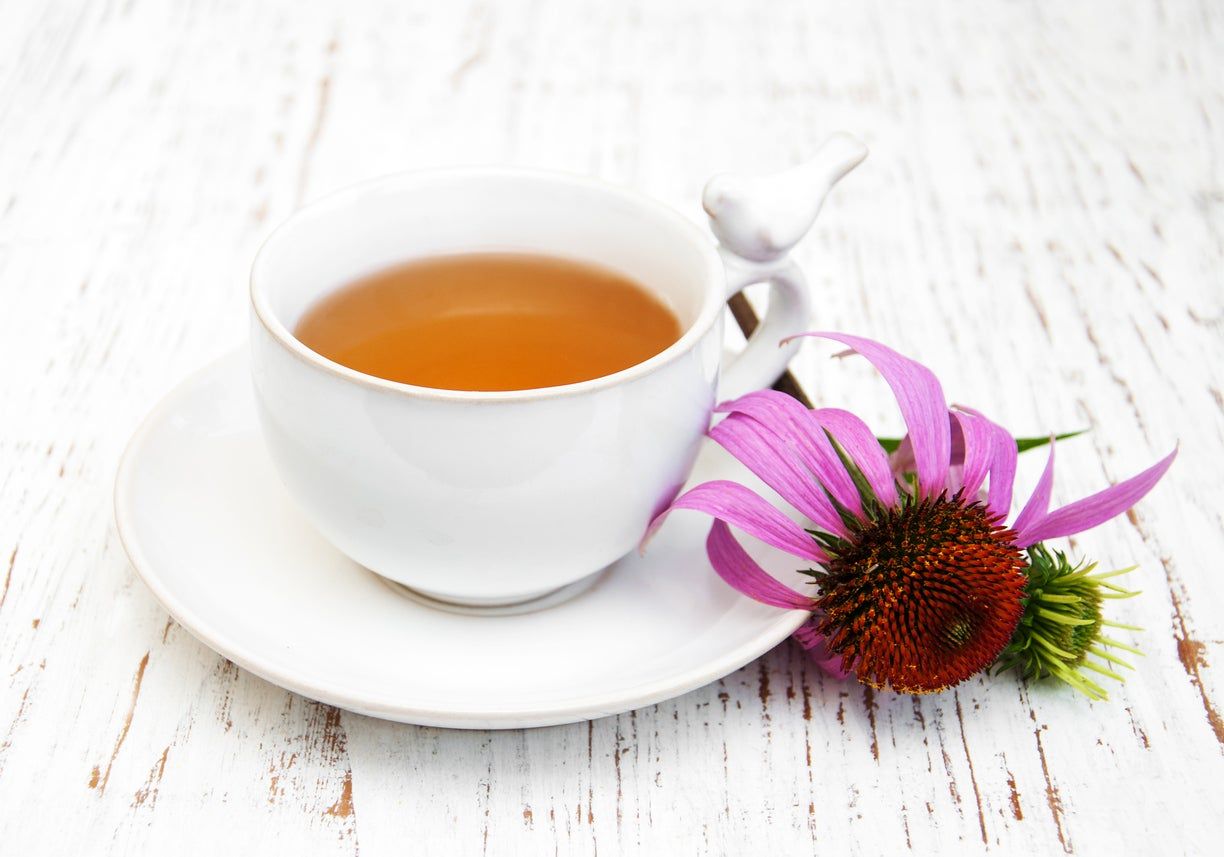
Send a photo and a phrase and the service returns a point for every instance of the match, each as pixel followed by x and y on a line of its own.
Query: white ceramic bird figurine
pixel 762 217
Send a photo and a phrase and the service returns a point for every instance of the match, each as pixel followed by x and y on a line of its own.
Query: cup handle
pixel 762 361
pixel 757 221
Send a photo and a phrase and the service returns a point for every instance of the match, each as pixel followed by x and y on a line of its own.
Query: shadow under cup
pixel 484 498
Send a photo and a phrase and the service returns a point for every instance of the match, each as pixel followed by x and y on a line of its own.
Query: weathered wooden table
pixel 1041 221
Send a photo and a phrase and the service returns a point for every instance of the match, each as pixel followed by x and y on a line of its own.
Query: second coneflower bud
pixel 1062 624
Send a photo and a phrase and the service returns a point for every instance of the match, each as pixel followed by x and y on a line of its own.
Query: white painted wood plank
pixel 1041 221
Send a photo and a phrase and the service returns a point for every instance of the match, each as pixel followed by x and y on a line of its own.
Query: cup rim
pixel 711 308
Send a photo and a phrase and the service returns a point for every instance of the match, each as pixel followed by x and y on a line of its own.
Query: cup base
pixel 541 601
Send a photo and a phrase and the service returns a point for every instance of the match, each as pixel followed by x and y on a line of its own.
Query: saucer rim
pixel 385 707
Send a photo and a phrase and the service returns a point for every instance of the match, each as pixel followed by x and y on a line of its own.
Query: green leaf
pixel 1023 444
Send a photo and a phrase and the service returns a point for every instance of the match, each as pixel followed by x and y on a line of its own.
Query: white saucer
pixel 215 536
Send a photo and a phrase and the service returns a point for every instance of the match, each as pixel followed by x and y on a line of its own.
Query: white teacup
pixel 503 497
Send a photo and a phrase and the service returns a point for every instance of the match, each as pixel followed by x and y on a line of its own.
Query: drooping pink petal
pixel 747 510
pixel 777 463
pixel 956 459
pixel 818 650
pixel 922 403
pixel 1098 508
pixel 977 451
pixel 901 461
pixel 742 573
pixel 790 419
pixel 1039 502
pixel 1002 472
pixel 1002 466
pixel 860 443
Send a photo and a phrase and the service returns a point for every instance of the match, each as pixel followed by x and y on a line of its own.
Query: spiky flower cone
pixel 923 596
pixel 1062 623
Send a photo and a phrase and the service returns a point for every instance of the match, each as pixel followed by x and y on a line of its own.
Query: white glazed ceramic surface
pixel 495 498
pixel 213 533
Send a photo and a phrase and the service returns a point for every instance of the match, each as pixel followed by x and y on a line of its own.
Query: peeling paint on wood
pixel 100 782
pixel 1014 797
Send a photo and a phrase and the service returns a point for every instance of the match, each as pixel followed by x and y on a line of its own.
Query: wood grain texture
pixel 1041 221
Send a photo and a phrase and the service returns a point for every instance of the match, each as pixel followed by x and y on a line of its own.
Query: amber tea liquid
pixel 489 321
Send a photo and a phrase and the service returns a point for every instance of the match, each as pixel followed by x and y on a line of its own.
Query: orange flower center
pixel 924 595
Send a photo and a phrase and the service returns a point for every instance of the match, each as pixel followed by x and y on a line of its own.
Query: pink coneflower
pixel 921 581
